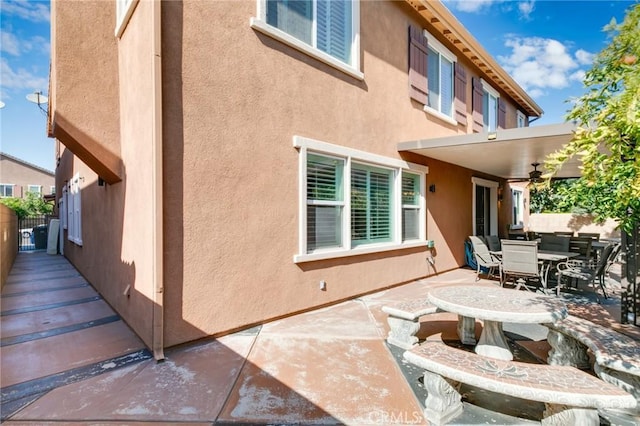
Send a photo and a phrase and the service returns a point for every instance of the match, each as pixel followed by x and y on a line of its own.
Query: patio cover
pixel 509 155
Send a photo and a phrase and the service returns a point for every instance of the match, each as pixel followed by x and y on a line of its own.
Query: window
pixel 6 190
pixel 74 210
pixel 36 189
pixel 325 29
pixel 517 203
pixel 440 64
pixel 410 206
pixel 521 120
pixel 353 202
pixel 371 204
pixel 63 208
pixel 490 108
pixel 124 10
pixel 52 190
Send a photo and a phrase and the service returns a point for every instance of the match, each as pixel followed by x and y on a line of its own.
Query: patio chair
pixel 564 233
pixel 582 246
pixel 520 263
pixel 493 242
pixel 551 242
pixel 594 235
pixel 484 258
pixel 577 270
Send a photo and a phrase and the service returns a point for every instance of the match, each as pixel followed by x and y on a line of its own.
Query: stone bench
pixel 571 396
pixel 617 357
pixel 404 321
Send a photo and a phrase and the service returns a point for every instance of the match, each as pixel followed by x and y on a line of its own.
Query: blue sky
pixel 545 45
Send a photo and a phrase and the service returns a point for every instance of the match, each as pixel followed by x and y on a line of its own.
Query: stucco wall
pixel 233 99
pixel 116 225
pixel 231 181
pixel 550 222
pixel 8 241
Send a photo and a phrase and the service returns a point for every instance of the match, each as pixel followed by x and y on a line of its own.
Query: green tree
pixel 31 205
pixel 608 132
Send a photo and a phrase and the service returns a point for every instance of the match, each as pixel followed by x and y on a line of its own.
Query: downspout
pixel 157 338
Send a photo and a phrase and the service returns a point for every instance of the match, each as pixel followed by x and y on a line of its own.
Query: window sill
pixel 440 115
pixel 378 248
pixel 263 27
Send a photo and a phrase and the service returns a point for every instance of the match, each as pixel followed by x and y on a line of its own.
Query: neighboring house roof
pixel 27 164
pixel 449 27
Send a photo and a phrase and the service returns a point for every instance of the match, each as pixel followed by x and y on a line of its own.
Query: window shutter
pixel 460 93
pixel 417 65
pixel 334 28
pixel 477 100
pixel 502 114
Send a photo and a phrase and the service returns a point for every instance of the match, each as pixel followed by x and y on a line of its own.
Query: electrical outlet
pixel 323 285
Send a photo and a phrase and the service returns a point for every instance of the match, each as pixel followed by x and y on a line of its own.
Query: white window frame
pixel 493 199
pixel 521 120
pixel 36 189
pixel 74 210
pixel 124 10
pixel 62 208
pixel 307 145
pixel 7 185
pixel 486 87
pixel 52 190
pixel 517 208
pixel 259 23
pixel 442 51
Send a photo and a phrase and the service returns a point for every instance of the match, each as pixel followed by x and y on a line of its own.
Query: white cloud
pixel 20 79
pixel 471 6
pixel 34 11
pixel 12 45
pixel 584 57
pixel 539 64
pixel 526 8
pixel 9 43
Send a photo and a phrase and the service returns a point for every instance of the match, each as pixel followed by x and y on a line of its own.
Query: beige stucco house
pixel 19 177
pixel 226 163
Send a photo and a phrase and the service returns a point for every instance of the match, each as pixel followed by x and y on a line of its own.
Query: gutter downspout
pixel 157 188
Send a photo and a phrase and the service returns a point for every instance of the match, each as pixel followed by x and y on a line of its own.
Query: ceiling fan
pixel 535 175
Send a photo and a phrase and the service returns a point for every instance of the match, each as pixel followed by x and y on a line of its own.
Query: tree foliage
pixel 31 205
pixel 608 128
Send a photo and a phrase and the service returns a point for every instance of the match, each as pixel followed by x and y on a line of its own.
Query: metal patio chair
pixel 484 258
pixel 520 263
pixel 577 270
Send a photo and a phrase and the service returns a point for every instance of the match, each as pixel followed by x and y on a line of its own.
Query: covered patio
pixel 67 357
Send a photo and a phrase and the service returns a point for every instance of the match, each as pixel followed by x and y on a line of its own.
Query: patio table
pixel 495 305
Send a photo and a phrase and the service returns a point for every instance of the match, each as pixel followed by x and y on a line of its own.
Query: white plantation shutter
pixel 410 206
pixel 74 210
pixel 325 202
pixel 370 204
pixel 334 28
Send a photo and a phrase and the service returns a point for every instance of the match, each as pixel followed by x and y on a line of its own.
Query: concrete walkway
pixel 67 357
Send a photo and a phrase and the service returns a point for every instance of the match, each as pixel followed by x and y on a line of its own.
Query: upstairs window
pixel 36 189
pixel 440 63
pixel 521 120
pixel 326 29
pixel 6 190
pixel 490 108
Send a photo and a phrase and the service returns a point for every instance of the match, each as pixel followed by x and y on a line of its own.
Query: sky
pixel 546 45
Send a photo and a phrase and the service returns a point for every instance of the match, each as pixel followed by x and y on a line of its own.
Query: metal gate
pixel 630 308
pixel 32 233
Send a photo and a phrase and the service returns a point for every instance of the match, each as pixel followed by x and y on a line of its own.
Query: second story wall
pixel 18 177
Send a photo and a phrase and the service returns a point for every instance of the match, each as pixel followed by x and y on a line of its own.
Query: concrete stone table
pixel 495 305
